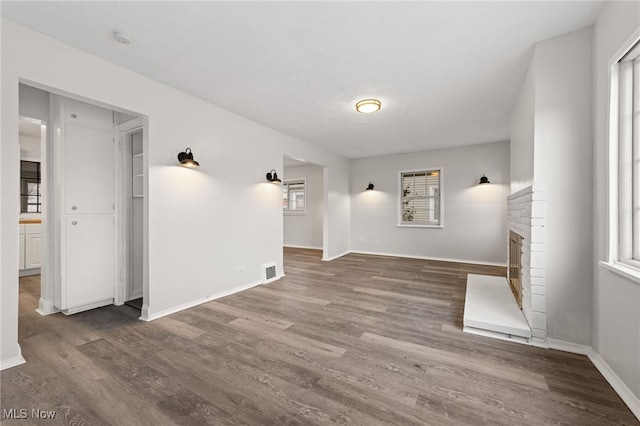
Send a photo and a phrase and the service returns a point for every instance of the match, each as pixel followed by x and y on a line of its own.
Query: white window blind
pixel 420 198
pixel 293 196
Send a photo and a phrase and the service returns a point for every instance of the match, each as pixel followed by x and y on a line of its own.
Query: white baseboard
pixel 565 346
pixel 623 391
pixel 13 362
pixel 45 307
pixel 148 315
pixel 302 247
pixel 616 383
pixel 442 259
pixel 87 307
pixel 28 272
pixel 328 259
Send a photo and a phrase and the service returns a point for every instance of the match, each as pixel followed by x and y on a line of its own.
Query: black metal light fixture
pixel 272 176
pixel 369 187
pixel 186 159
pixel 483 179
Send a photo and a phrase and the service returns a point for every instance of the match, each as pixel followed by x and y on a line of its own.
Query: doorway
pixel 91 221
pixel 303 204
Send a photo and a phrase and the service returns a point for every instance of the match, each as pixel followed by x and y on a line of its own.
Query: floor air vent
pixel 269 272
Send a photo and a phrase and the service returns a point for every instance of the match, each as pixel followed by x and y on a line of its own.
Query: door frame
pixel 124 204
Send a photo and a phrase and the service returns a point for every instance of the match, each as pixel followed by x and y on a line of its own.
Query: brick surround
pixel 525 216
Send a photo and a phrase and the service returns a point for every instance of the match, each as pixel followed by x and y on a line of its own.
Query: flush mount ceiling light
pixel 483 179
pixel 367 106
pixel 121 38
pixel 272 176
pixel 186 159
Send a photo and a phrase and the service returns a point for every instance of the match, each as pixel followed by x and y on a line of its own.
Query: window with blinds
pixel 420 200
pixel 293 196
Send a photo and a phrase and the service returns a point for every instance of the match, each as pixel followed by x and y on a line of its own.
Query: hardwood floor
pixel 363 340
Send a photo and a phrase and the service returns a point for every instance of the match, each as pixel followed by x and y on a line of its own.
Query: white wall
pixel 34 103
pixel 563 165
pixel 474 215
pixel 305 230
pixel 522 126
pixel 30 147
pixel 616 300
pixel 198 220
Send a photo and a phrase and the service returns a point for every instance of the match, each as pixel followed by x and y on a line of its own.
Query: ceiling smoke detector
pixel 121 38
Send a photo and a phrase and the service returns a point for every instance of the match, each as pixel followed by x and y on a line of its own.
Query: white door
pixel 88 228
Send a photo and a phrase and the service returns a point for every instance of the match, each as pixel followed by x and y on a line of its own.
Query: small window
pixel 30 196
pixel 420 198
pixel 293 196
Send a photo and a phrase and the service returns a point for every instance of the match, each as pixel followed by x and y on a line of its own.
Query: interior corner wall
pixel 305 230
pixel 198 220
pixel 616 299
pixel 563 165
pixel 522 133
pixel 475 223
pixel 33 103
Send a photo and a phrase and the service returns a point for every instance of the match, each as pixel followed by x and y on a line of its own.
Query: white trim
pixel 87 307
pixel 328 259
pixel 400 222
pixel 409 225
pixel 302 247
pixel 574 348
pixel 443 259
pixel 29 272
pixel 13 362
pixel 623 270
pixel 46 307
pixel 623 391
pixel 496 335
pixel 148 315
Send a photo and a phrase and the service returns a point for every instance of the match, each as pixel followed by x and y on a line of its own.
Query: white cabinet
pixel 86 203
pixel 33 246
pixel 30 246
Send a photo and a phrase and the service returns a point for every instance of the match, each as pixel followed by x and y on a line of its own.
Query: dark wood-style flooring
pixel 364 340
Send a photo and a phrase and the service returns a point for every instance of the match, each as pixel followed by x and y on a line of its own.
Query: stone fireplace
pixel 525 218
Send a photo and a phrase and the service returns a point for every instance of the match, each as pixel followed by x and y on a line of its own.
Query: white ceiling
pixel 447 73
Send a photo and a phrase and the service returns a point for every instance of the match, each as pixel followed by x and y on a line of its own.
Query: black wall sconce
pixel 369 187
pixel 272 176
pixel 483 179
pixel 186 159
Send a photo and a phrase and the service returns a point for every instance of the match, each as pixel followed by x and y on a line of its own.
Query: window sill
pixel 287 213
pixel 623 270
pixel 407 225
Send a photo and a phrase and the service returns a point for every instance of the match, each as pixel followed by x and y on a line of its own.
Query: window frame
pixel 285 184
pixel 24 183
pixel 623 190
pixel 403 224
